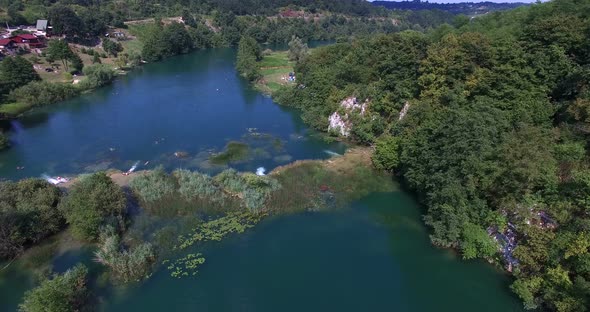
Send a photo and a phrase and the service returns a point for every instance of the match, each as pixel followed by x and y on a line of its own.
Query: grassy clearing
pixel 132 46
pixel 139 30
pixel 276 59
pixel 275 69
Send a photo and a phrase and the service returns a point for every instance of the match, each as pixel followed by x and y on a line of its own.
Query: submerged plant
pixel 234 151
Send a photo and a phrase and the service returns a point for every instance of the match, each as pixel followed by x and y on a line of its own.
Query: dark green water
pixel 372 256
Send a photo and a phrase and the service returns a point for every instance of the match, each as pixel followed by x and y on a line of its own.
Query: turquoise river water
pixel 371 256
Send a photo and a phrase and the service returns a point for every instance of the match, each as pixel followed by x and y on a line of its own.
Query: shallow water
pixel 371 256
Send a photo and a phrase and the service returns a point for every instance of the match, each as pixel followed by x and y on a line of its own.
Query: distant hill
pixel 467 8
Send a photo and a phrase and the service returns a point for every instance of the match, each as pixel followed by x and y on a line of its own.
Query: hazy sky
pixel 458 1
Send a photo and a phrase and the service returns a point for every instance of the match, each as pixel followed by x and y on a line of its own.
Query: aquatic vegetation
pixel 215 230
pixel 258 190
pixel 252 189
pixel 234 151
pixel 197 185
pixel 154 185
pixel 185 266
pixel 230 180
pixel 282 158
pixel 127 265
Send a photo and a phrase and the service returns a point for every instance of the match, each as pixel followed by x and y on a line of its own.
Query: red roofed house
pixel 7 44
pixel 28 41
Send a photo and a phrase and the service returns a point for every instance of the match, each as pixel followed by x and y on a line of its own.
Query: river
pixel 373 255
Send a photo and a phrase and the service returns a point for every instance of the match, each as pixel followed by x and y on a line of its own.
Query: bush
pixel 68 77
pixel 76 63
pixel 89 204
pixel 16 72
pixel 231 181
pixel 96 59
pixel 127 265
pixel 28 213
pixel 65 292
pixel 98 75
pixel 112 47
pixel 153 186
pixel 386 156
pixel 252 189
pixel 38 93
pixel 193 185
pixel 259 189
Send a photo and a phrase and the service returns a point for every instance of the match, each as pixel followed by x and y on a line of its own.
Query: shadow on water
pixel 31 120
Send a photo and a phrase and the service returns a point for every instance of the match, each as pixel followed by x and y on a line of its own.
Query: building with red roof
pixel 28 41
pixel 7 44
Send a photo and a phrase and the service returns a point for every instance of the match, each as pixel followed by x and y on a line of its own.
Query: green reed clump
pixel 231 181
pixel 252 189
pixel 258 190
pixel 127 265
pixel 192 185
pixel 154 185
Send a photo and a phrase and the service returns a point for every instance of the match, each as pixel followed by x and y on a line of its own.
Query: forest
pixel 487 122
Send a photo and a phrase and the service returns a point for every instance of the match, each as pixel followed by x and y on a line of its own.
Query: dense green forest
pixel 488 122
pixel 266 21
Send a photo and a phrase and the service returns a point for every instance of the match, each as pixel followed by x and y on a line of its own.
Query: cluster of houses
pixel 14 40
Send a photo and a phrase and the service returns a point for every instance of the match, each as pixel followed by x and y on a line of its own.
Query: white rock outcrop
pixel 404 111
pixel 339 122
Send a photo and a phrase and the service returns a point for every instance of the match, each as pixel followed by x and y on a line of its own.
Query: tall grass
pixel 153 186
pixel 194 185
